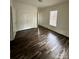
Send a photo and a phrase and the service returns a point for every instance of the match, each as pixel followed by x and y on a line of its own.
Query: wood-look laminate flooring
pixel 39 44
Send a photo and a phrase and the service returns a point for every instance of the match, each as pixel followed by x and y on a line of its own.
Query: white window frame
pixel 53 18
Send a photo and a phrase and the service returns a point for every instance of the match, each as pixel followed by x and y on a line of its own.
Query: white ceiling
pixel 44 3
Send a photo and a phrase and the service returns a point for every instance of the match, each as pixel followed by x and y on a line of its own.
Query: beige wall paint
pixel 12 4
pixel 26 16
pixel 62 20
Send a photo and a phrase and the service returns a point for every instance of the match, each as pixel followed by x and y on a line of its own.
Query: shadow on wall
pixel 11 24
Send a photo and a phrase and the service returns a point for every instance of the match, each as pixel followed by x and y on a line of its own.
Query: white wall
pixel 62 20
pixel 13 20
pixel 26 16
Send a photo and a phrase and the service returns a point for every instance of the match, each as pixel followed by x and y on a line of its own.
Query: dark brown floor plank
pixel 47 44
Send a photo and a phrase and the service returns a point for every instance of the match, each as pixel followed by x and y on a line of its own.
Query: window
pixel 53 18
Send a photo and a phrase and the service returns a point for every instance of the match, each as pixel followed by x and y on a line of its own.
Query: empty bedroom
pixel 39 29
